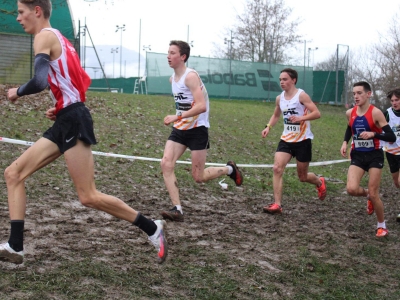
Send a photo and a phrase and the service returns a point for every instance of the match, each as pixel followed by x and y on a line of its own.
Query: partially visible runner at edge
pixel 57 66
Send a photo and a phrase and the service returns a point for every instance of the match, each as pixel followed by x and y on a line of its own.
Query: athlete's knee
pixel 88 200
pixel 278 169
pixel 303 178
pixel 352 190
pixel 167 165
pixel 11 175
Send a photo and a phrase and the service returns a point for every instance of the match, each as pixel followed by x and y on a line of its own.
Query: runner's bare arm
pixel 274 118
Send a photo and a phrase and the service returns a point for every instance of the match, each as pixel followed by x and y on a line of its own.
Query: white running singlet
pixel 184 101
pixel 294 132
pixel 394 123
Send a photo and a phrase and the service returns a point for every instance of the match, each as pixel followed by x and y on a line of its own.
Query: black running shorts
pixel 73 122
pixel 301 150
pixel 394 162
pixel 367 159
pixel 194 139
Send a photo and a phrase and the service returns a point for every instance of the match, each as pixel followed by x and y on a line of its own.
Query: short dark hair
pixel 184 48
pixel 292 73
pixel 45 5
pixel 364 84
pixel 395 92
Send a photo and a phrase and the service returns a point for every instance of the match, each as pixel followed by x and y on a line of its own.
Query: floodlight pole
pixel 229 42
pixel 140 36
pixel 337 72
pixel 113 51
pixel 309 55
pixel 270 62
pixel 304 68
pixel 190 44
pixel 121 28
pixel 145 48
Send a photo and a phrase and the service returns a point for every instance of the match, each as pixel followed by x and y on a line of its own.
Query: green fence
pixel 226 78
pixel 119 85
pixel 325 86
pixel 16 59
pixel 323 89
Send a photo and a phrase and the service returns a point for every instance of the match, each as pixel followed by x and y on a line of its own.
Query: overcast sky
pixel 325 24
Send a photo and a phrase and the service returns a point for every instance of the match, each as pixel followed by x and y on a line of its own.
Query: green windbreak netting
pixel 325 86
pixel 16 55
pixel 60 18
pixel 226 78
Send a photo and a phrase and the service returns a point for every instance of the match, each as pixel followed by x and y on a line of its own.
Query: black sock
pixel 16 240
pixel 145 224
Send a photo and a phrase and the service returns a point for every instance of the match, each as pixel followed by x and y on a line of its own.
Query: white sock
pixel 381 225
pixel 179 207
pixel 230 169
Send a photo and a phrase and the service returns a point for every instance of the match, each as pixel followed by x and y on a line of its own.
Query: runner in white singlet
pixel 297 110
pixel 190 129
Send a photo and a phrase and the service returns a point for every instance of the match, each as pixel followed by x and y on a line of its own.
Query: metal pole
pixel 270 61
pixel 84 49
pixel 120 57
pixel 122 28
pixel 304 69
pixel 230 66
pixel 187 62
pixel 140 32
pixel 337 74
pixel 347 74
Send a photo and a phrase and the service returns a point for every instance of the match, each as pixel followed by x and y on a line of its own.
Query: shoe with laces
pixel 322 189
pixel 236 175
pixel 10 255
pixel 370 207
pixel 159 241
pixel 173 215
pixel 273 208
pixel 381 232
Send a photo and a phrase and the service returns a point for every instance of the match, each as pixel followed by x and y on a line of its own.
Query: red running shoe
pixel 370 207
pixel 322 189
pixel 381 232
pixel 273 209
pixel 236 175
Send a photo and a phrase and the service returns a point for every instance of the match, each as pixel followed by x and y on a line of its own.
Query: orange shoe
pixel 273 209
pixel 322 189
pixel 370 207
pixel 381 232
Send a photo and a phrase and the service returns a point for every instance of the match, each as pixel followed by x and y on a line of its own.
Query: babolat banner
pixel 224 78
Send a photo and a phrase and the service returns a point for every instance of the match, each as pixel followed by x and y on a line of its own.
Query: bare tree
pixel 263 33
pixel 387 57
pixel 379 64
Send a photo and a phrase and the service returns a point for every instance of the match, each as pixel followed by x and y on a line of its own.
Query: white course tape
pixel 321 163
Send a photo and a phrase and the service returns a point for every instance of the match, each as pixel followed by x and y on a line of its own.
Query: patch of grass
pixel 227 248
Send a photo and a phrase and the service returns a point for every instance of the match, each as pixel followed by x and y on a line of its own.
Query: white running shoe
pixel 159 241
pixel 8 254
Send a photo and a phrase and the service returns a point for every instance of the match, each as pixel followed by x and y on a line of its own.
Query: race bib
pixel 291 127
pixel 364 144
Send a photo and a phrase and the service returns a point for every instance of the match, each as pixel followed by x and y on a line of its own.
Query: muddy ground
pixel 270 256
